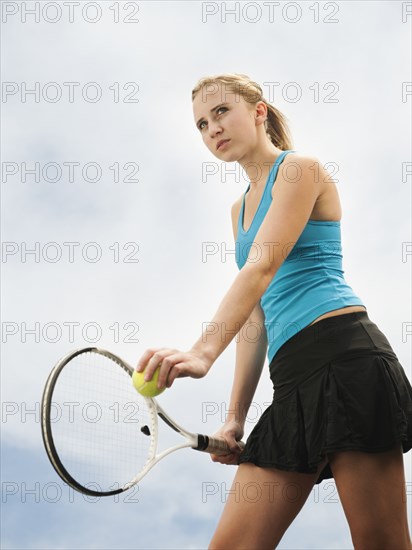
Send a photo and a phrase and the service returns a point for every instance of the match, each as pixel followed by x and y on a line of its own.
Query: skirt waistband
pixel 339 337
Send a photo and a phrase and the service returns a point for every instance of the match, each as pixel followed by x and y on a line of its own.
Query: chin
pixel 226 156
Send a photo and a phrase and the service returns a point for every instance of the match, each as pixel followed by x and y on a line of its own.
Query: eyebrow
pixel 211 110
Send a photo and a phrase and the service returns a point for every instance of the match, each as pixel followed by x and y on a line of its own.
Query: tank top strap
pixel 273 172
pixel 266 193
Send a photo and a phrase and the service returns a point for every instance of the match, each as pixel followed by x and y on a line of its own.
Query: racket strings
pixel 104 432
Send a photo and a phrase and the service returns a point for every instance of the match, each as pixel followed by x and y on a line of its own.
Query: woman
pixel 342 404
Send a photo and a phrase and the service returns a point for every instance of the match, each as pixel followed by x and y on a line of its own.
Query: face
pixel 223 115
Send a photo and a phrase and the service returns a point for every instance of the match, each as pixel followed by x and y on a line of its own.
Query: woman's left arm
pixel 292 204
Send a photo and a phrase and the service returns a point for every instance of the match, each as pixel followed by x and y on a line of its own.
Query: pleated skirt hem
pixel 312 467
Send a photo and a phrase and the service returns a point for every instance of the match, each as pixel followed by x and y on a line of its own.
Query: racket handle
pixel 213 445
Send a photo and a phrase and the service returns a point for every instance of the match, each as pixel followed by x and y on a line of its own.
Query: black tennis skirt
pixel 338 386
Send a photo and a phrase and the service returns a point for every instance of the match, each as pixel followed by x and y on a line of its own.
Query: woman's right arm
pixel 251 348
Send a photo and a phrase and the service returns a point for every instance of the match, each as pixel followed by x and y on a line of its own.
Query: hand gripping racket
pixel 100 434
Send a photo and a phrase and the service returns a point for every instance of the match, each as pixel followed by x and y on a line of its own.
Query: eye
pixel 218 110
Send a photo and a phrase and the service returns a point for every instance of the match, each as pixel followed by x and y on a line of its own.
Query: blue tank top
pixel 310 280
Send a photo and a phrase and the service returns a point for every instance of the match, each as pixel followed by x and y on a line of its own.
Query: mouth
pixel 222 143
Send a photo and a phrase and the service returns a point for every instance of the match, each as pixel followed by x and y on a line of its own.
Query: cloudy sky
pixel 109 198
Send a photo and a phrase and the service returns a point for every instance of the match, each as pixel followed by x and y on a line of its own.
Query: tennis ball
pixel 148 389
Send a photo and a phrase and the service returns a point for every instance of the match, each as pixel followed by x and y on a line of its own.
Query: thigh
pixel 372 491
pixel 261 505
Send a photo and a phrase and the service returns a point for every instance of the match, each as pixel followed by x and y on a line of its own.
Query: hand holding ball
pixel 147 388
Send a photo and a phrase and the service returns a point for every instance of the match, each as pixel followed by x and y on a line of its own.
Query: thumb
pixel 234 445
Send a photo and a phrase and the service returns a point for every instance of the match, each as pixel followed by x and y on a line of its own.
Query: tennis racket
pixel 100 434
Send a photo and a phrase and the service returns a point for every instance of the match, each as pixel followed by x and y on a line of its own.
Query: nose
pixel 214 129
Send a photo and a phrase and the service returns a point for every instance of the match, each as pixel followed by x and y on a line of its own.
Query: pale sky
pixel 141 207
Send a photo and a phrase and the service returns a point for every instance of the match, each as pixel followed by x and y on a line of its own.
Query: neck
pixel 258 162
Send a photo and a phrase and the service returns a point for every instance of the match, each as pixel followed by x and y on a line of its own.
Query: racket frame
pixel 195 441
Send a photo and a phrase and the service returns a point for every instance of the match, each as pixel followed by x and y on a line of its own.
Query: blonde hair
pixel 276 126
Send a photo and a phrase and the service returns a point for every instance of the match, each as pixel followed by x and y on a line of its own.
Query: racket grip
pixel 213 445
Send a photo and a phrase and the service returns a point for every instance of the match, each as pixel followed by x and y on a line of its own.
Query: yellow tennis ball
pixel 148 389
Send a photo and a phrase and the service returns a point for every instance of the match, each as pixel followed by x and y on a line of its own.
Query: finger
pixel 225 459
pixel 155 361
pixel 165 359
pixel 230 461
pixel 144 358
pixel 173 366
pixel 173 374
pixel 237 448
pixel 232 443
pixel 220 458
pixel 177 371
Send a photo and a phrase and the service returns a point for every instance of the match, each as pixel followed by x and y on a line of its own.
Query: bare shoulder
pixel 310 169
pixel 298 167
pixel 309 164
pixel 236 206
